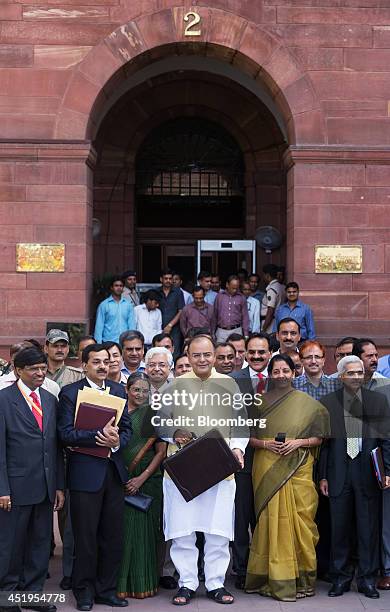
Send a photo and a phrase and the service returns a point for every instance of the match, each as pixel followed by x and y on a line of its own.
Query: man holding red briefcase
pixel 212 511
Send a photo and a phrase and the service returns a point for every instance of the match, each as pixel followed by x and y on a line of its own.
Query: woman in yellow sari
pixel 282 559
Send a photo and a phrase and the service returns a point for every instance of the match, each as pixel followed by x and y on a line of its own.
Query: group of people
pixel 240 307
pixel 305 433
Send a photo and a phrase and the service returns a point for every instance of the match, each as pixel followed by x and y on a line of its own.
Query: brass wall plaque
pixel 338 259
pixel 35 257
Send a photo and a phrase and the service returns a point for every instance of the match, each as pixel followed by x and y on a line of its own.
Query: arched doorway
pixel 184 155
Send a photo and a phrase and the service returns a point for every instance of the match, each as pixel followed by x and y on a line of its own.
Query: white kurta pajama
pixel 211 513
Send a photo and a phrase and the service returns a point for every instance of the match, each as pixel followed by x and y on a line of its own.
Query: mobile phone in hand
pixel 281 437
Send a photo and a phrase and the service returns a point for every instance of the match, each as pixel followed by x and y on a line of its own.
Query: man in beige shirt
pixel 57 350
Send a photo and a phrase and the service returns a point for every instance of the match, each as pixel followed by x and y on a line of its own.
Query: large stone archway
pixel 185 93
pixel 222 34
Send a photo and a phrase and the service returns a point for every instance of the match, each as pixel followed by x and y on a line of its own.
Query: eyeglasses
pixel 154 366
pixel 140 390
pixel 36 369
pixel 313 357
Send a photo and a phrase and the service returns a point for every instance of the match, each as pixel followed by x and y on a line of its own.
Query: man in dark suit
pixel 359 423
pixel 251 380
pixel 31 476
pixel 96 488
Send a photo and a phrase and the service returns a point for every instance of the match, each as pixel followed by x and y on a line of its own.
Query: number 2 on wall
pixel 193 19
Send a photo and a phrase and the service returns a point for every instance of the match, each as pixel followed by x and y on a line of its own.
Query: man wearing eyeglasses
pixel 313 380
pixel 96 487
pixel 343 348
pixel 31 476
pixel 158 364
pixel 211 512
pixel 251 379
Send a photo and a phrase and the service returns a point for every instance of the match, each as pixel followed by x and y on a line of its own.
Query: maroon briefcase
pixel 201 464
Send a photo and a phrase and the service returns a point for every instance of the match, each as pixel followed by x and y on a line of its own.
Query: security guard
pixel 275 295
pixel 57 350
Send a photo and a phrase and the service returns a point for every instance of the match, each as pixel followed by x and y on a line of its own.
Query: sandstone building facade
pixel 102 100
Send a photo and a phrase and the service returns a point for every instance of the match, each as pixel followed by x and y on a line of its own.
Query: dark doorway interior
pixel 189 177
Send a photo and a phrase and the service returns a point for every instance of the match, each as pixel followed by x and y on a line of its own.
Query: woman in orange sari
pixel 282 559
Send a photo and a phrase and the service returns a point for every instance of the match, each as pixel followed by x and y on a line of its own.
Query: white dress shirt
pixel 188 299
pixel 148 322
pixel 349 399
pixel 27 392
pixel 254 314
pixel 255 378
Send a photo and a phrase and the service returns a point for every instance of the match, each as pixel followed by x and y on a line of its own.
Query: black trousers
pixel 244 519
pixel 97 520
pixel 25 540
pixel 354 528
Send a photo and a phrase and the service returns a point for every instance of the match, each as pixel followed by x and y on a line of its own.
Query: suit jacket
pixel 333 457
pixel 31 461
pixel 85 472
pixel 245 384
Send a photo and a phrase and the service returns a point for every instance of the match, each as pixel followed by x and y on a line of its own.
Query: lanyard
pixel 31 402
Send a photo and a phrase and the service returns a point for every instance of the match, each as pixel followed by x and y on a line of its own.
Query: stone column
pixel 339 195
pixel 46 198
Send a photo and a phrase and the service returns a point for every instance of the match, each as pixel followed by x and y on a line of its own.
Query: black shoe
pixel 48 608
pixel 369 591
pixel 84 605
pixel 113 601
pixel 66 583
pixel 336 590
pixel 168 582
pixel 240 583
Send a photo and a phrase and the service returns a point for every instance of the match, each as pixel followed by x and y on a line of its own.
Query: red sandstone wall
pixel 344 203
pixel 47 199
pixel 337 83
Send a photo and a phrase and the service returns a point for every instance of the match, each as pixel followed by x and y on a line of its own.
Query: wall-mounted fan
pixel 268 238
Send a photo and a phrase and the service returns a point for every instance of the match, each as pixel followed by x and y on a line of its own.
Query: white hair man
pixel 158 364
pixel 357 418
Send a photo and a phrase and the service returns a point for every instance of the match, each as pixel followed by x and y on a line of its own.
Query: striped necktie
pixel 36 409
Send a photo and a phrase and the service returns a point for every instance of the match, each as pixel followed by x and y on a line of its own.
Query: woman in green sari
pixel 138 576
pixel 282 559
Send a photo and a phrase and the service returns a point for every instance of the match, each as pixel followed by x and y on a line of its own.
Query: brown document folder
pixel 90 416
pixel 201 464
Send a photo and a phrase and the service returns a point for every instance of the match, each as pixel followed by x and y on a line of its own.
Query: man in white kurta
pixel 212 512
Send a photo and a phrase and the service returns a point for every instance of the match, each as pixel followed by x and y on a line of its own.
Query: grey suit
pixel 31 469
